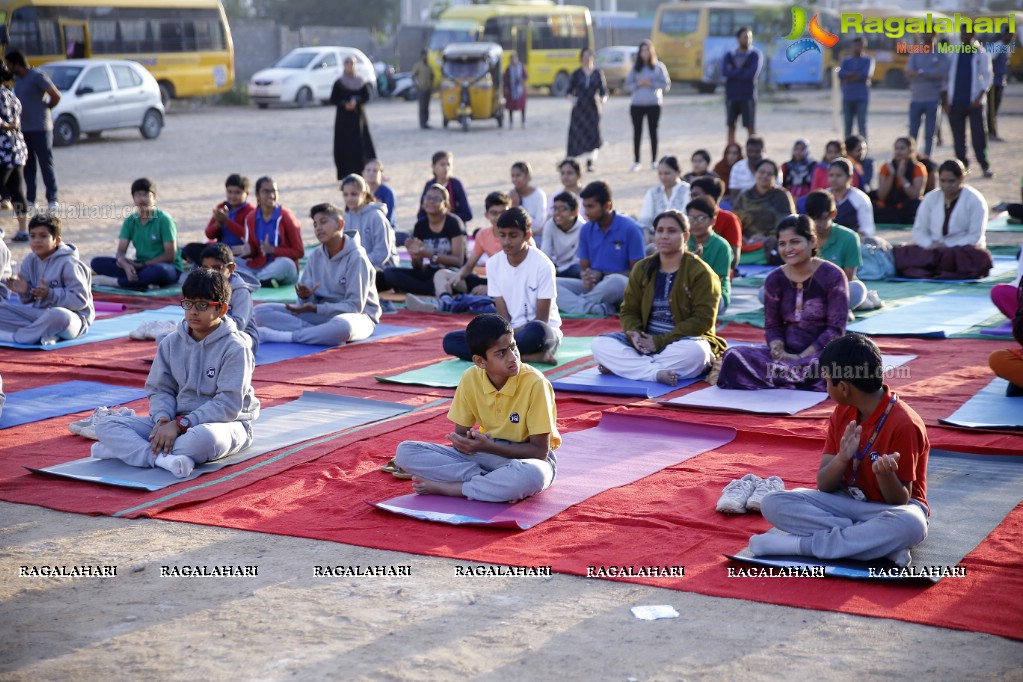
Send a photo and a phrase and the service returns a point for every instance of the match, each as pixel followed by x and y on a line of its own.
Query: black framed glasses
pixel 201 306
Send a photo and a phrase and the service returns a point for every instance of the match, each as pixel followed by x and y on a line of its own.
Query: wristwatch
pixel 183 423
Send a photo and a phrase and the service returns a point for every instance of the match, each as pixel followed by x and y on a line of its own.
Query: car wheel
pixel 65 132
pixel 559 88
pixel 304 97
pixel 166 93
pixel 152 124
pixel 262 105
pixel 706 88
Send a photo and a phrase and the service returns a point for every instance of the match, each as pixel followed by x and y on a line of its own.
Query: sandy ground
pixel 287 624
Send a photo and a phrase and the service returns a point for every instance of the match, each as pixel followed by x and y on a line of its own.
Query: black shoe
pixel 425 126
pixel 988 174
pixel 1013 391
pixel 20 237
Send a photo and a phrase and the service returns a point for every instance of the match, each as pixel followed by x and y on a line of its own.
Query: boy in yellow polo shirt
pixel 502 448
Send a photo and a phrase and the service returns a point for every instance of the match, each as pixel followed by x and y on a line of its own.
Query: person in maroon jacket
pixel 273 240
pixel 227 224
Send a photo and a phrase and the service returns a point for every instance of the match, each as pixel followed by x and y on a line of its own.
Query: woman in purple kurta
pixel 806 305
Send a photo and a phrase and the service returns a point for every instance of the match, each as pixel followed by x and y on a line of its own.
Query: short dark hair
pixel 743 29
pixel 483 331
pixel 515 218
pixel 843 163
pixel 953 166
pixel 522 166
pixel 756 139
pixel 819 202
pixel 221 251
pixel 765 161
pixel 705 205
pixel 496 199
pixel 143 185
pixel 237 180
pixel 16 58
pixel 263 180
pixel 207 284
pixel 571 162
pixel 855 359
pixel 568 199
pixel 440 156
pixel 709 185
pixel 853 142
pixel 702 153
pixel 671 162
pixel 326 207
pixel 51 221
pixel 801 225
pixel 599 190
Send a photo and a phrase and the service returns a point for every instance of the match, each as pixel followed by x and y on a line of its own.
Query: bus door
pixel 75 43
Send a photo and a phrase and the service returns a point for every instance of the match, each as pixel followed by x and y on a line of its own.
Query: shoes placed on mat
pixel 871 302
pixel 387 308
pixel 87 427
pixel 421 304
pixel 153 330
pixel 737 493
pixel 767 485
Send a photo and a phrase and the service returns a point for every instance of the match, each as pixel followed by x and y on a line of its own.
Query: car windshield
pixel 63 77
pixel 611 57
pixel 295 60
pixel 465 69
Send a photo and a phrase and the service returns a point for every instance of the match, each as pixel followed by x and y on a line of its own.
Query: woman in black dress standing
pixel 588 91
pixel 353 145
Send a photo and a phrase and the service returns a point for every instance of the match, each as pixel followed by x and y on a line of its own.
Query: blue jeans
pixel 533 337
pixel 929 112
pixel 40 151
pixel 160 274
pixel 855 109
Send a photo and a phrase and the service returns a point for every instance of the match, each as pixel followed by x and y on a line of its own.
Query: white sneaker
pixel 421 304
pixel 635 167
pixel 653 165
pixel 54 207
pixel 734 496
pixel 6 205
pixel 87 427
pixel 153 329
pixel 767 485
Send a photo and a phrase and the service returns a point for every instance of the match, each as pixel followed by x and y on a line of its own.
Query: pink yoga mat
pixel 109 307
pixel 620 450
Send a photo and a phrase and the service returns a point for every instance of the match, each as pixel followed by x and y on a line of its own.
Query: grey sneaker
pixel 86 428
pixel 767 485
pixel 421 304
pixel 737 493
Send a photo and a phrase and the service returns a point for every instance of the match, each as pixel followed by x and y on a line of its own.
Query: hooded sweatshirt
pixel 241 309
pixel 345 283
pixel 375 234
pixel 5 269
pixel 68 278
pixel 286 238
pixel 208 381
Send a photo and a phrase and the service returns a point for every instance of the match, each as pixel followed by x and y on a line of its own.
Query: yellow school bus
pixel 185 44
pixel 547 37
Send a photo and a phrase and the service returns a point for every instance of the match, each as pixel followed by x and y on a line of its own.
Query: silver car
pixel 103 94
pixel 615 62
pixel 307 75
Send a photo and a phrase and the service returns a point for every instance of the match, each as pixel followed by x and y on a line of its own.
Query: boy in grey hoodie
pixel 201 402
pixel 337 296
pixel 219 257
pixel 55 288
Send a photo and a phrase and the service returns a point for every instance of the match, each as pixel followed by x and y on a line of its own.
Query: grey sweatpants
pixel 835 526
pixel 283 270
pixel 602 299
pixel 485 477
pixel 127 438
pixel 30 325
pixel 316 329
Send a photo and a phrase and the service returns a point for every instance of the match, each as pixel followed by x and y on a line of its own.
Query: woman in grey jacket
pixel 648 80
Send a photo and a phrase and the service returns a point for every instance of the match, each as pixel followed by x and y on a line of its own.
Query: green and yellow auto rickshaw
pixel 470 87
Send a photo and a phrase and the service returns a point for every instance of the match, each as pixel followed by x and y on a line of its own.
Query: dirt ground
pixel 287 624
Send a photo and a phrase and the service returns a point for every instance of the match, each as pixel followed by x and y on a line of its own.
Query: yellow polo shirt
pixel 524 407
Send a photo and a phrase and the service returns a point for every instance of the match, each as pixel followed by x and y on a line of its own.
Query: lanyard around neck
pixel 858 457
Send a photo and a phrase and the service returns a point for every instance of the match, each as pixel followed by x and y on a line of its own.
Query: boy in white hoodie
pixel 201 402
pixel 55 288
pixel 337 295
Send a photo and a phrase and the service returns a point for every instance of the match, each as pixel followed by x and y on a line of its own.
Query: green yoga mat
pixel 165 292
pixel 447 373
pixel 1000 223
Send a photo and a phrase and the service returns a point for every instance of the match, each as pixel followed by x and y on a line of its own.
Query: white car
pixel 306 75
pixel 103 94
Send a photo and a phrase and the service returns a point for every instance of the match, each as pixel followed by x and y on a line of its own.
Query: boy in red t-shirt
pixel 867 505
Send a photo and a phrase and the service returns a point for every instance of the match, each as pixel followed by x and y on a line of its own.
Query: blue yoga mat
pixel 590 380
pixel 107 328
pixel 312 415
pixel 989 409
pixel 56 400
pixel 269 353
pixel 935 316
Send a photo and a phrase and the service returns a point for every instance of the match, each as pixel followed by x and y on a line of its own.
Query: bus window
pixel 445 35
pixel 679 22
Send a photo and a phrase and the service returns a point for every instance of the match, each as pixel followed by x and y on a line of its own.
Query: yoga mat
pixel 929 317
pixel 109 328
pixel 56 400
pixel 621 449
pixel 447 373
pixel 1004 267
pixel 969 496
pixel 750 270
pixel 590 380
pixel 284 294
pixel 1004 329
pixel 764 401
pixel 164 292
pixel 989 409
pixel 1000 223
pixel 312 415
pixel 269 353
pixel 109 307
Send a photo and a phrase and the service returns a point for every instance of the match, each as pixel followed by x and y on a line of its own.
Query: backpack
pixel 878 259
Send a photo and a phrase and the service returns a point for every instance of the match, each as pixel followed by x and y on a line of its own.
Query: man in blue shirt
pixel 855 74
pixel 609 246
pixel 741 68
pixel 969 79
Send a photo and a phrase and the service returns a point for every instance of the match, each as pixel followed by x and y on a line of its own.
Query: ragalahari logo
pixel 818 36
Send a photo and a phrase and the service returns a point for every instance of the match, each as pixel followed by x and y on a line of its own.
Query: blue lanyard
pixel 859 456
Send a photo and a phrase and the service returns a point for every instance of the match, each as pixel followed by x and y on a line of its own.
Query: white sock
pixel 179 465
pixel 772 544
pixel 900 557
pixel 268 335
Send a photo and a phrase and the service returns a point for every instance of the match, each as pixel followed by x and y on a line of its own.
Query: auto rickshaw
pixel 470 88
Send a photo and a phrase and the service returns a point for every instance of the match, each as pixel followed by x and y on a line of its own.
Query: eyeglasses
pixel 433 199
pixel 560 208
pixel 201 306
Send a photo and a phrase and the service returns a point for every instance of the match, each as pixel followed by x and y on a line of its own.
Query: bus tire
pixel 559 88
pixel 65 131
pixel 896 80
pixel 706 88
pixel 167 93
pixel 152 124
pixel 304 98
